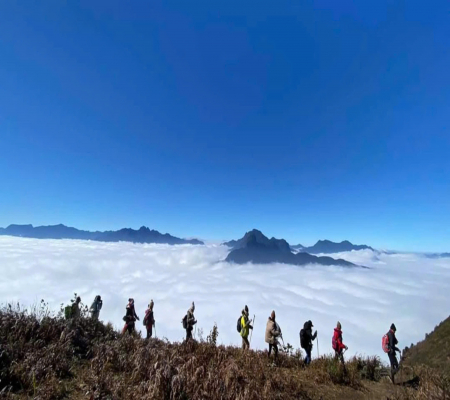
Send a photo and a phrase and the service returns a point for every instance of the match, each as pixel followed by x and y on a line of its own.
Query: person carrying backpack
pixel 96 307
pixel 245 328
pixel 337 344
pixel 306 338
pixel 390 347
pixel 149 320
pixel 75 312
pixel 190 321
pixel 272 333
pixel 130 317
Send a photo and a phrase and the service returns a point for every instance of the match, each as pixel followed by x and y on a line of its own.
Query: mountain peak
pixel 60 231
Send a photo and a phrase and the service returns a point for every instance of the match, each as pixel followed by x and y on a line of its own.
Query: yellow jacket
pixel 245 327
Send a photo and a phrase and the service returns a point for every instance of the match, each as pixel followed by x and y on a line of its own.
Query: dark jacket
pixel 149 320
pixel 392 342
pixel 131 314
pixel 309 337
pixel 191 321
pixel 75 310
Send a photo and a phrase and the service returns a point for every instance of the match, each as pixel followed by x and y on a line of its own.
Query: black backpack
pixel 239 326
pixel 303 339
pixel 184 322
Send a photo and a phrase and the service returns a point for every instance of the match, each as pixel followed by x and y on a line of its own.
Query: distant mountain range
pixel 255 247
pixel 328 247
pixel 438 255
pixel 142 235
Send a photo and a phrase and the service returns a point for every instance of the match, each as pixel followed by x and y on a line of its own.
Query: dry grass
pixel 42 356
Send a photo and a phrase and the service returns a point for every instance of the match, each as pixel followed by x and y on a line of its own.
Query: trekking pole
pixel 317 337
pixel 156 336
pixel 251 333
pixel 195 332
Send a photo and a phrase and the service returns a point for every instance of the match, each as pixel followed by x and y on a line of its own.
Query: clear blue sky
pixel 305 119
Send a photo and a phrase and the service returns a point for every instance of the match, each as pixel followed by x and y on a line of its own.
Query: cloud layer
pixel 408 289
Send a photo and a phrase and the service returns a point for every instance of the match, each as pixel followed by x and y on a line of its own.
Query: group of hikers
pixel 244 326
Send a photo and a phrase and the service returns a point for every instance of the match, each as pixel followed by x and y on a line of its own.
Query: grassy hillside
pixel 433 351
pixel 44 357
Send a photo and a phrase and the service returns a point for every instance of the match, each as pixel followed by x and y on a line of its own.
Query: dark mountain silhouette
pixel 256 248
pixel 438 255
pixel 143 235
pixel 259 238
pixel 327 246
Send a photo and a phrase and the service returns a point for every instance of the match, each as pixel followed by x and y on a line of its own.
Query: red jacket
pixel 337 337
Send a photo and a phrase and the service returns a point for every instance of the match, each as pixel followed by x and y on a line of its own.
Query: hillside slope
pixel 50 358
pixel 433 351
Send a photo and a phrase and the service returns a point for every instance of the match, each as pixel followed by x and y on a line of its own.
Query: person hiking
pixel 96 307
pixel 130 317
pixel 190 321
pixel 245 328
pixel 392 348
pixel 272 334
pixel 149 320
pixel 306 338
pixel 337 344
pixel 75 312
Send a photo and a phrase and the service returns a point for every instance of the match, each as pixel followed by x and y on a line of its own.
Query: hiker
pixel 75 312
pixel 149 320
pixel 245 328
pixel 190 321
pixel 306 338
pixel 96 307
pixel 337 344
pixel 130 317
pixel 272 333
pixel 391 349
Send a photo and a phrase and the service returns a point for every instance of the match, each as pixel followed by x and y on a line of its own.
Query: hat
pixel 272 315
pixel 246 308
pixel 393 327
pixel 310 323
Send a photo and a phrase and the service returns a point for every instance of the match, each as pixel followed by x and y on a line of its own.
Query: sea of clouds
pixel 408 289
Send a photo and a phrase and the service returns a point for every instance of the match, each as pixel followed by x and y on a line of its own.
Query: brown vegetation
pixel 45 357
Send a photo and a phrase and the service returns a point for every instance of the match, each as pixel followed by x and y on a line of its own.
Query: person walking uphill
pixel 76 308
pixel 306 338
pixel 96 307
pixel 337 344
pixel 189 321
pixel 245 328
pixel 149 320
pixel 390 347
pixel 130 317
pixel 272 333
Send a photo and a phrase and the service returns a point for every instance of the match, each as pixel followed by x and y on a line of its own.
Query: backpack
pixel 334 343
pixel 144 322
pixel 303 340
pixel 385 343
pixel 184 322
pixel 68 312
pixel 239 325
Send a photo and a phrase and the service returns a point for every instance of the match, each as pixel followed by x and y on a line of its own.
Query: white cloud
pixel 408 289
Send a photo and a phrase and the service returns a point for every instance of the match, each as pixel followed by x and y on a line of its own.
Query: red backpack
pixel 334 341
pixel 385 343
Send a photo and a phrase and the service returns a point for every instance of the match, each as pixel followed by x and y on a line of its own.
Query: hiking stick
pixel 317 337
pixel 195 332
pixel 251 333
pixel 156 336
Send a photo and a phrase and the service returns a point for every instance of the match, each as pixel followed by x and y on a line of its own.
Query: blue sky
pixel 307 120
